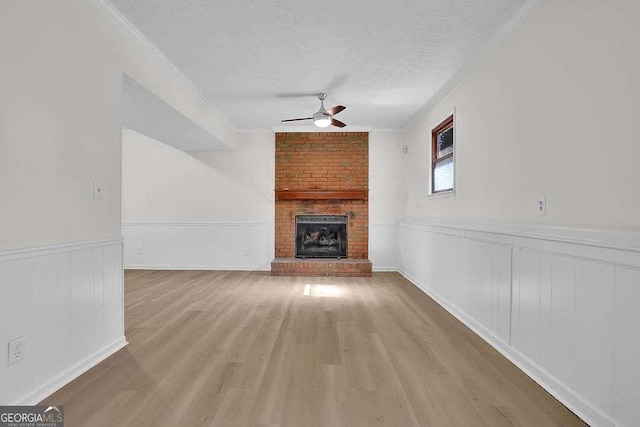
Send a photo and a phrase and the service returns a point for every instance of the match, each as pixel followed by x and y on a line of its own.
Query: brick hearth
pixel 322 162
pixel 321 267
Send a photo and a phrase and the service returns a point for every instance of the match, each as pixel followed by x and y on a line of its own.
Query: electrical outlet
pixel 542 205
pixel 97 190
pixel 245 253
pixel 16 351
pixel 139 251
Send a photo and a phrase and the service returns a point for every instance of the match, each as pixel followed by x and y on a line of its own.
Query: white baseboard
pixel 382 269
pixel 82 366
pixel 566 396
pixel 385 269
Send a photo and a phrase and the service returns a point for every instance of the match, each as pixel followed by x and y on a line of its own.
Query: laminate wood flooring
pixel 247 349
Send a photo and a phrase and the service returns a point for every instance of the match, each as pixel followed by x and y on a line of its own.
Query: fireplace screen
pixel 321 236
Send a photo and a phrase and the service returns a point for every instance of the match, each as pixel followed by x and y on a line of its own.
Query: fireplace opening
pixel 321 236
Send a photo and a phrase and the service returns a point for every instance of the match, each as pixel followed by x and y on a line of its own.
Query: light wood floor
pixel 247 349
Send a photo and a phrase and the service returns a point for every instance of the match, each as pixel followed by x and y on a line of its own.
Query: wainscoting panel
pixel 593 329
pixel 479 287
pixel 563 291
pixel 67 303
pixel 526 308
pixel 205 246
pixel 113 295
pixel 228 246
pixel 562 304
pixel 626 361
pixel 383 246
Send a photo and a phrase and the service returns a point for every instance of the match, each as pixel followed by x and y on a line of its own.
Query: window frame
pixel 444 125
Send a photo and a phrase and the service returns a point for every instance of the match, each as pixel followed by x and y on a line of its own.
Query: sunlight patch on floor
pixel 330 291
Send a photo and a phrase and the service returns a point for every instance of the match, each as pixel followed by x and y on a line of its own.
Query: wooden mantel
pixel 321 194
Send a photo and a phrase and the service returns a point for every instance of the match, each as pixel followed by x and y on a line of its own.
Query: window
pixel 442 157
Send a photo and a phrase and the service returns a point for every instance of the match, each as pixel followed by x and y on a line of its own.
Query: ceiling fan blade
pixel 295 120
pixel 335 110
pixel 337 123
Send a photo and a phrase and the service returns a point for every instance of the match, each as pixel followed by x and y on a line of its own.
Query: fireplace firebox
pixel 321 236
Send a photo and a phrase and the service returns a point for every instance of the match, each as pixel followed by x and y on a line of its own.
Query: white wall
pixel 60 97
pixel 387 190
pixel 59 131
pixel 216 210
pixel 198 210
pixel 551 111
pixel 59 126
pixel 387 197
pixel 163 184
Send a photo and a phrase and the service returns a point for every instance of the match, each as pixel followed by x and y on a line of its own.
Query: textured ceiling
pixel 384 60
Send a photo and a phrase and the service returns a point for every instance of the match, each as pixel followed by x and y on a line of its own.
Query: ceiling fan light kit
pixel 323 118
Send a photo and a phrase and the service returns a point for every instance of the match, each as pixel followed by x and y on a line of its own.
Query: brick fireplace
pixel 322 174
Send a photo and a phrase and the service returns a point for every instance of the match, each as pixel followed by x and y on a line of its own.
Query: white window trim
pixel 443 194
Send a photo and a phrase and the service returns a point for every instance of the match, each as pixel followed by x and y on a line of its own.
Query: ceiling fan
pixel 323 118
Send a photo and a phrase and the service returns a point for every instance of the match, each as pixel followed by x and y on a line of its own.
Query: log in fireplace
pixel 321 236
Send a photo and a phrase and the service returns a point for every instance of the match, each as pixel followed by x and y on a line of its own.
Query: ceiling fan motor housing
pixel 323 118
